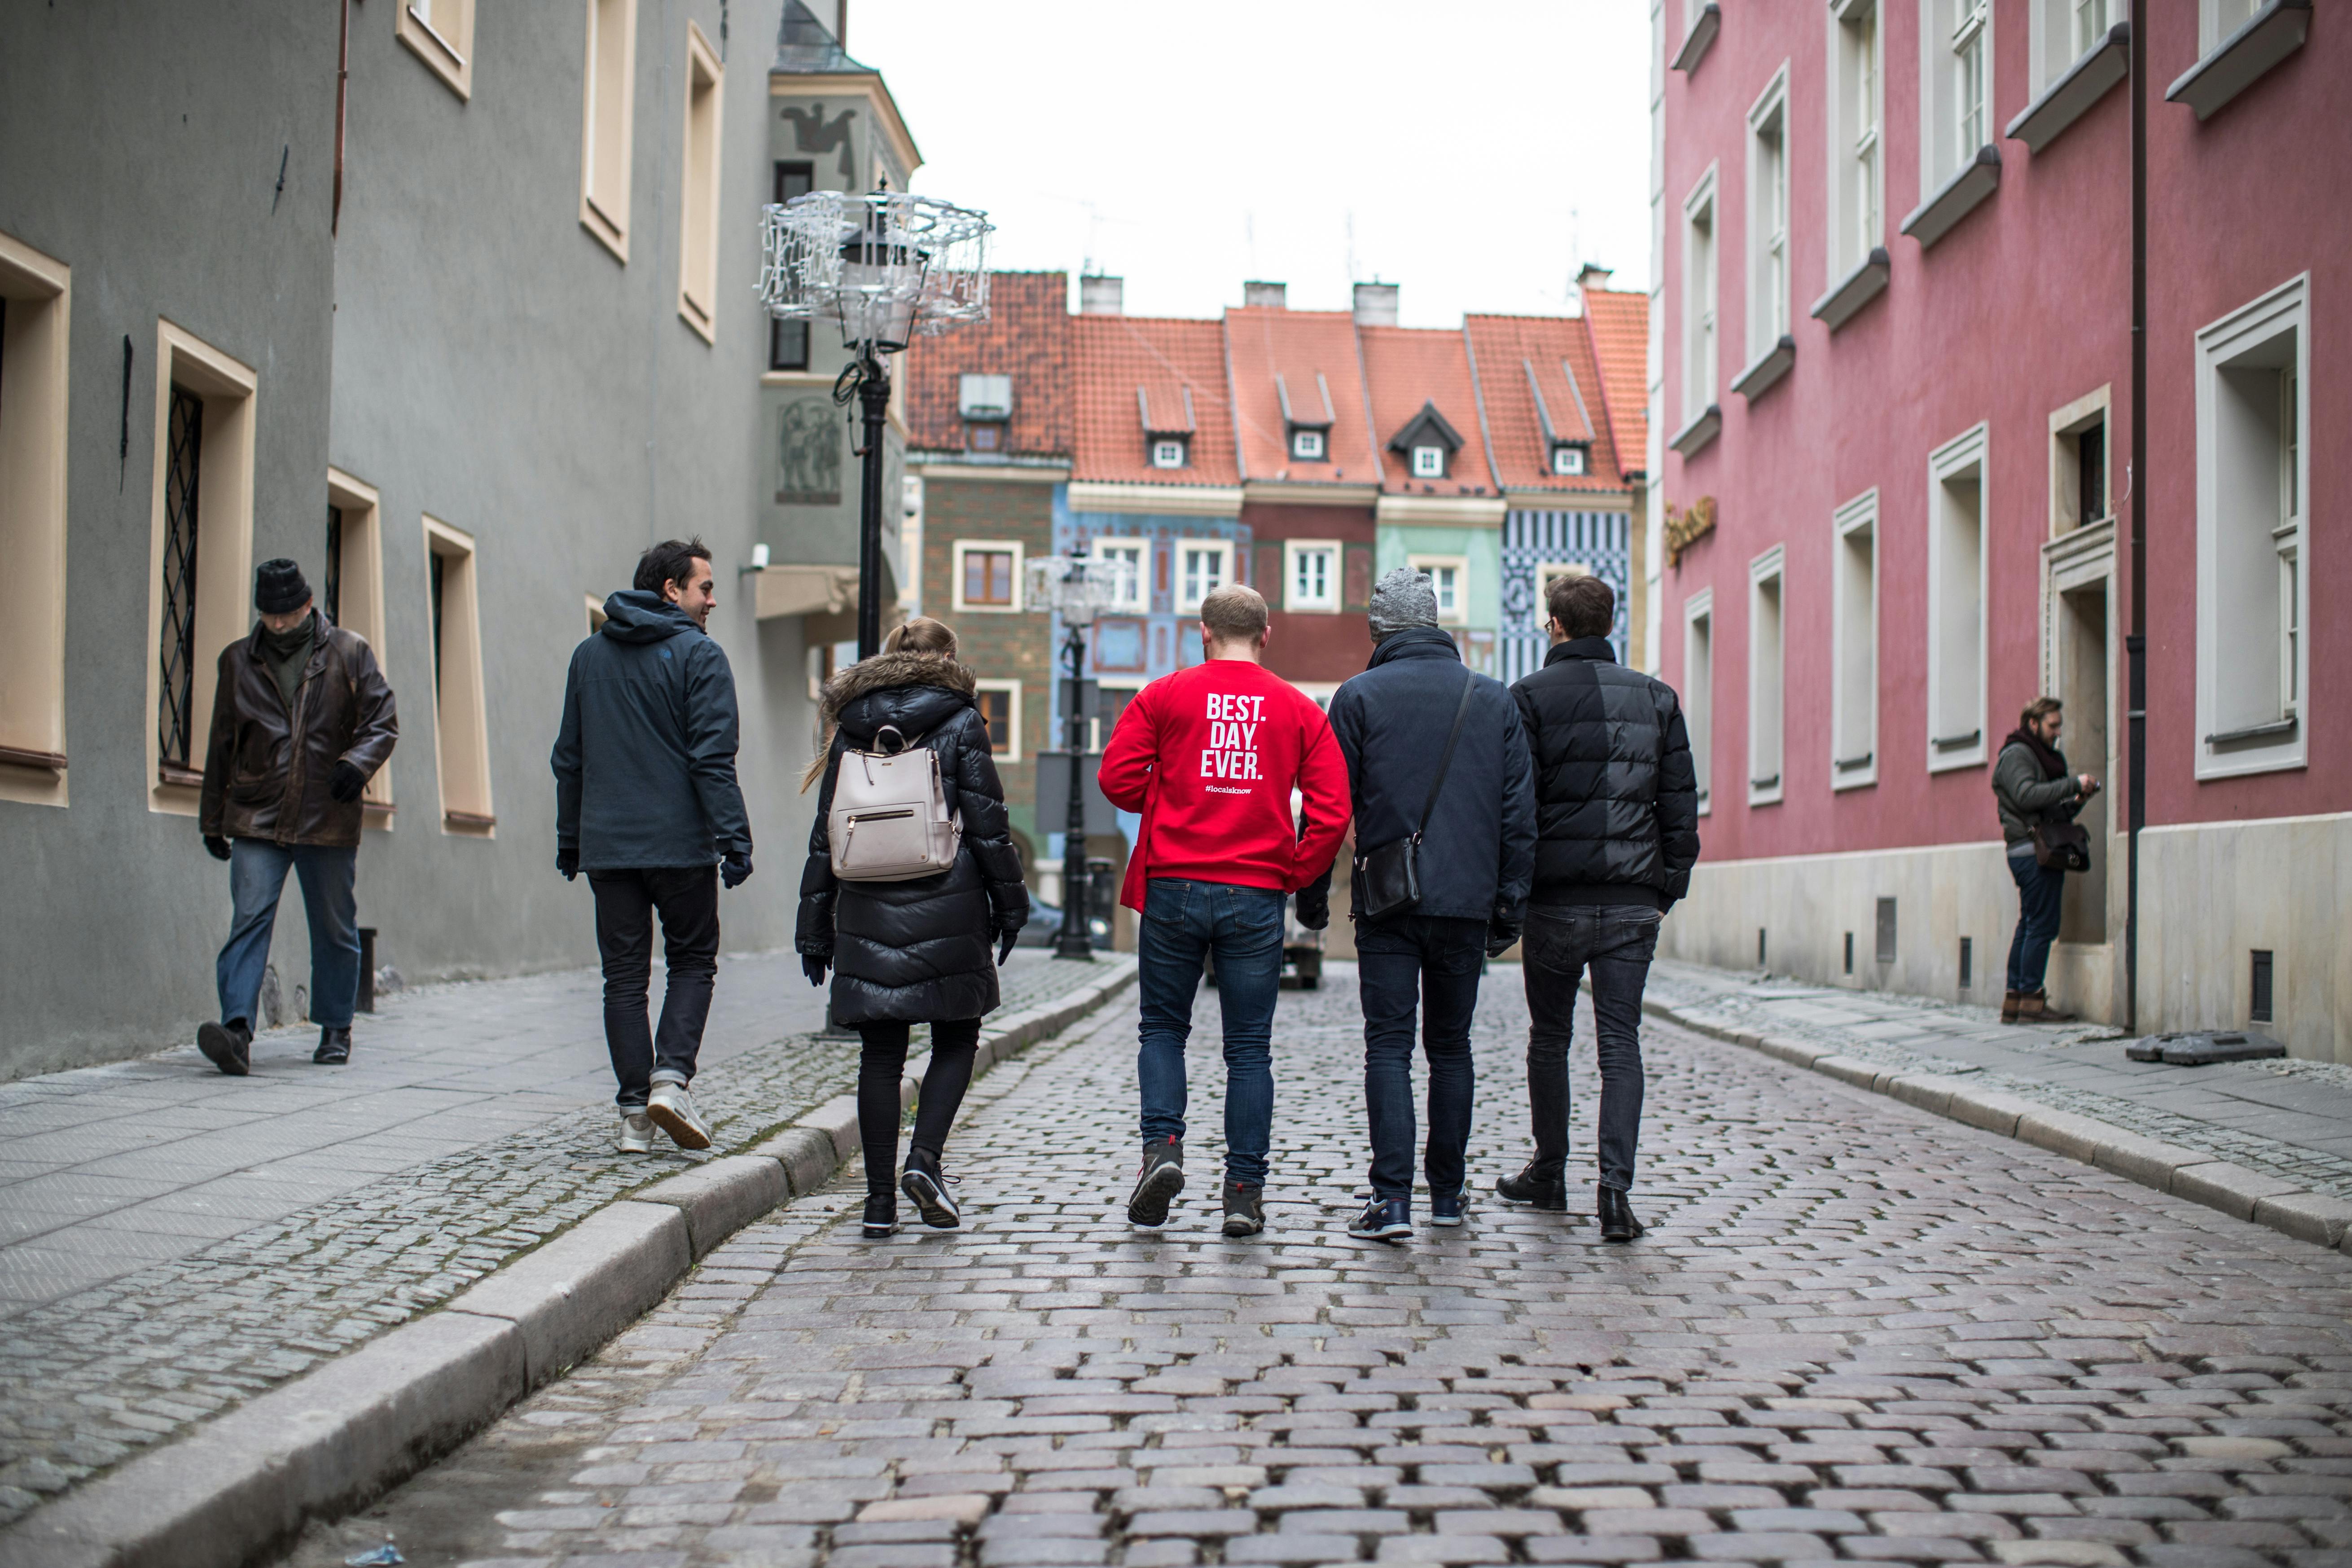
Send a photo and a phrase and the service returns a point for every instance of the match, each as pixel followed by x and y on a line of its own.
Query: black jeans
pixel 1436 960
pixel 1616 941
pixel 882 1064
pixel 687 898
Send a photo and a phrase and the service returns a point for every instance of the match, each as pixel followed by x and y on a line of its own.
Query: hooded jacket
pixel 269 762
pixel 644 761
pixel 1478 857
pixel 1616 796
pixel 920 950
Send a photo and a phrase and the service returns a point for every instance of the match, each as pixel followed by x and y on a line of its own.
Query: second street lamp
pixel 1076 587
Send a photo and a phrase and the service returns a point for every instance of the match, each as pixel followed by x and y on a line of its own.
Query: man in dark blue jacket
pixel 1475 858
pixel 646 803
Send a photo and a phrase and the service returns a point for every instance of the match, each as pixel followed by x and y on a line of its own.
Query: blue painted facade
pixel 1599 541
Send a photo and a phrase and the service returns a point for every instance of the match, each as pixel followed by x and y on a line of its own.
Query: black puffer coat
pixel 918 952
pixel 1616 796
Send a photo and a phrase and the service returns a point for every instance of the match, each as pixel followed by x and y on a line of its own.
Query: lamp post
pixel 1077 587
pixel 886 266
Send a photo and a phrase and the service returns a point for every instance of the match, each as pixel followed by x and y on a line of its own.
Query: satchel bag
pixel 890 821
pixel 1388 879
pixel 2061 845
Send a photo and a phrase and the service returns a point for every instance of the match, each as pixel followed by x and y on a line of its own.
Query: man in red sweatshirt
pixel 1210 756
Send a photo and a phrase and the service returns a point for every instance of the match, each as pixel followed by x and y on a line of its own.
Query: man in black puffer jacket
pixel 1616 837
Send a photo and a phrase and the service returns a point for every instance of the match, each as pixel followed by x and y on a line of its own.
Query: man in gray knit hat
pixel 1463 812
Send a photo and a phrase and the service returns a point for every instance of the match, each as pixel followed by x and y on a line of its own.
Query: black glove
pixel 347 784
pixel 1315 905
pixel 1500 935
pixel 1004 942
pixel 735 871
pixel 568 862
pixel 813 965
pixel 216 846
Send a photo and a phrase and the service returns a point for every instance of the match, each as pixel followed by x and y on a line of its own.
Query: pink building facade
pixel 1892 417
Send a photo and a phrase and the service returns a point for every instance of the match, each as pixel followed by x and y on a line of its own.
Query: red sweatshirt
pixel 1210 755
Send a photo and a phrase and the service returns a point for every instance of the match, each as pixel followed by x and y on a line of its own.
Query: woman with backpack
pixel 905 914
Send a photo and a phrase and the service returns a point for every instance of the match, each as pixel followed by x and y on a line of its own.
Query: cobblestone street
pixel 1855 1332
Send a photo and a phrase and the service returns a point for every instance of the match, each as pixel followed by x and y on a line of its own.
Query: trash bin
pixel 366 1003
pixel 1102 899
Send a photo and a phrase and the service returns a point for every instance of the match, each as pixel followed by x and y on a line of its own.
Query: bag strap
pixel 1461 712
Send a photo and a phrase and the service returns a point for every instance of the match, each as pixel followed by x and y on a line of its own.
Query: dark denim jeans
pixel 687 898
pixel 257 876
pixel 1184 922
pixel 1615 942
pixel 1435 962
pixel 2040 890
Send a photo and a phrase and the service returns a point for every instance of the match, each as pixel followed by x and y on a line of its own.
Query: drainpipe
pixel 342 94
pixel 2135 640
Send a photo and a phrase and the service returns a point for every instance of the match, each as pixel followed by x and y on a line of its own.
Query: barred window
pixel 333 597
pixel 181 480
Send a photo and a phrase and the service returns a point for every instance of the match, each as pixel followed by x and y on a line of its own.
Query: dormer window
pixel 984 439
pixel 1427 444
pixel 1429 462
pixel 1307 446
pixel 1167 453
pixel 1567 460
pixel 982 399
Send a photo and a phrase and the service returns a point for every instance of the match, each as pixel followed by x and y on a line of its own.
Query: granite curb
pixel 333 1439
pixel 2319 1218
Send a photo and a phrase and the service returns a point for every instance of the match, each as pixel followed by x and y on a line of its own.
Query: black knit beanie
pixel 278 587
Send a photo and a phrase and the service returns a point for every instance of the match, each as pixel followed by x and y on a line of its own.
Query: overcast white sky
pixel 1479 149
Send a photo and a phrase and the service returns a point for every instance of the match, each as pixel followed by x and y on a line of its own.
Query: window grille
pixel 435 556
pixel 334 594
pixel 181 484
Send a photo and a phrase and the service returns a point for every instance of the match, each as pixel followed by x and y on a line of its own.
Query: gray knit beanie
pixel 1405 597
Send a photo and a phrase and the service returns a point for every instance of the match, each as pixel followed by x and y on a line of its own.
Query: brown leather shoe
pixel 2034 1007
pixel 2010 1000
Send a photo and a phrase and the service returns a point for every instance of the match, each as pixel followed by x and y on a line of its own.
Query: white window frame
pixel 1429 462
pixel 1293 599
pixel 2057 35
pixel 700 186
pixel 1768 676
pixel 1769 282
pixel 1702 297
pixel 964 547
pixel 2252 330
pixel 604 190
pixel 2214 26
pixel 1133 595
pixel 441 33
pixel 1460 566
pixel 1567 461
pixel 1698 690
pixel 1319 439
pixel 1853 646
pixel 1949 29
pixel 459 688
pixel 1011 752
pixel 1857 139
pixel 35 367
pixel 2067 426
pixel 1187 602
pixel 1170 452
pixel 1951 720
pixel 361 601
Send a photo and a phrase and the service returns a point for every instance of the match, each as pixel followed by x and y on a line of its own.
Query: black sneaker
pixel 334 1046
pixel 881 1215
pixel 926 1187
pixel 1383 1219
pixel 1447 1208
pixel 1157 1183
pixel 1244 1209
pixel 229 1047
pixel 1532 1186
pixel 1617 1221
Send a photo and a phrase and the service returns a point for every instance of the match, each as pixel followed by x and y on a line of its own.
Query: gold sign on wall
pixel 1686 526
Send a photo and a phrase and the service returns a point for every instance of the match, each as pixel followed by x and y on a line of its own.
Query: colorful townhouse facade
pixel 1904 463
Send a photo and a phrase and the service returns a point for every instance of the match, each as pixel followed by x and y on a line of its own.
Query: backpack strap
pixel 1460 711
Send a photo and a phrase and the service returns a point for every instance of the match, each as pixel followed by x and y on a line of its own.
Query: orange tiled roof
pixel 1531 368
pixel 1263 343
pixel 1619 321
pixel 1409 366
pixel 1134 371
pixel 1027 337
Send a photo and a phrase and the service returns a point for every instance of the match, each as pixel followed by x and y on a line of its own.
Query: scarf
pixel 285 653
pixel 2051 761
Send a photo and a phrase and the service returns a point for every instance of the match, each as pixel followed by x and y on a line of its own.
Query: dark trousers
pixel 2040 890
pixel 882 1065
pixel 686 899
pixel 1435 961
pixel 257 876
pixel 1616 942
pixel 1183 922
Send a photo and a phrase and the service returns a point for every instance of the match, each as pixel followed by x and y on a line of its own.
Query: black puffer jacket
pixel 1616 798
pixel 918 952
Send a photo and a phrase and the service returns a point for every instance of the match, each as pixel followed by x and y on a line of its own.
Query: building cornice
pixel 1569 500
pixel 1282 492
pixel 1158 500
pixel 1442 511
pixel 932 466
pixel 851 84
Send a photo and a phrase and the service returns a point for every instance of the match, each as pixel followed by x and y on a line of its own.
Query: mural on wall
pixel 808 453
pixel 812 132
pixel 1540 545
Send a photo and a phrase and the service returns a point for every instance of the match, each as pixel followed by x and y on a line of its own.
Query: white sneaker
pixel 636 1132
pixel 672 1109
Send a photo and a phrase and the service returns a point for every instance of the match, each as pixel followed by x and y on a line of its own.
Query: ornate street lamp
pixel 1077 587
pixel 886 266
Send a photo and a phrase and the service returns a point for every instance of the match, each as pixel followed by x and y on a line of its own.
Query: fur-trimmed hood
pixel 889 671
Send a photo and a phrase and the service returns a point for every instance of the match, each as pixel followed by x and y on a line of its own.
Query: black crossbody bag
pixel 1388 879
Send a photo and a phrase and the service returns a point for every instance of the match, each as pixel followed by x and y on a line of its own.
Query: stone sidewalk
pixel 2284 1119
pixel 174 1242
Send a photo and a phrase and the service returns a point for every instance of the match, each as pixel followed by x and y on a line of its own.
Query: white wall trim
pixel 1858 515
pixel 1972 448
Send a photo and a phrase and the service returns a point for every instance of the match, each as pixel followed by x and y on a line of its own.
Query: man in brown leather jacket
pixel 301 721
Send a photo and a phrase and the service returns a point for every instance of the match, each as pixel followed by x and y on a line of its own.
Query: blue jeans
pixel 257 876
pixel 2039 890
pixel 1616 941
pixel 1183 923
pixel 1439 959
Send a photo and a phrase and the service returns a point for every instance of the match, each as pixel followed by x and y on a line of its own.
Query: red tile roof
pixel 1298 345
pixel 1620 321
pixel 1409 366
pixel 1178 368
pixel 1531 368
pixel 1027 337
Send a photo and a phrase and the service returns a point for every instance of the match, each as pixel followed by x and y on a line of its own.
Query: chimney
pixel 841 25
pixel 1271 296
pixel 1593 276
pixel 1100 296
pixel 1376 304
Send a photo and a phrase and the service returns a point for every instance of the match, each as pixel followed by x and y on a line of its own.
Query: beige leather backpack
pixel 890 821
